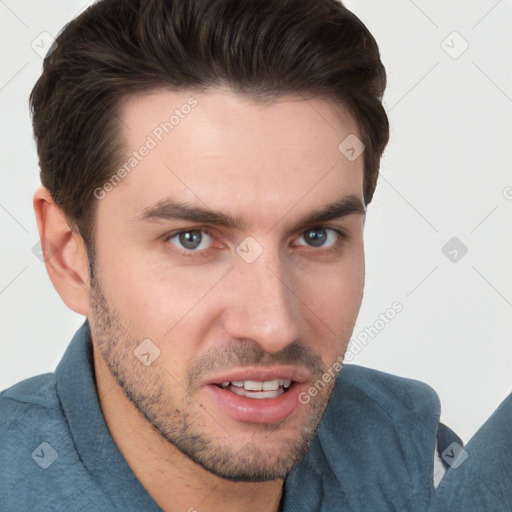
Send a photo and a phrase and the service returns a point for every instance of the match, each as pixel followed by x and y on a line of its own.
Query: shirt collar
pixel 96 448
pixel 373 445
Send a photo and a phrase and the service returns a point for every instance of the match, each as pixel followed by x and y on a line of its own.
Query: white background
pixel 445 174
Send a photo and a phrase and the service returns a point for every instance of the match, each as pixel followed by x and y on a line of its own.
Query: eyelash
pixel 189 253
pixel 342 237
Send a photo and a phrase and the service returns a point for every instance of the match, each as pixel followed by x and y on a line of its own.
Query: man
pixel 206 169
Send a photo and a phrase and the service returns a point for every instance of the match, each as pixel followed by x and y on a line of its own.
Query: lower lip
pixel 257 410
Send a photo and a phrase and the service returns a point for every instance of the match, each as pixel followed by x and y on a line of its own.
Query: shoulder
pixel 389 416
pixel 31 425
pixel 396 398
pixel 29 404
pixel 36 391
pixel 25 409
pixel 376 442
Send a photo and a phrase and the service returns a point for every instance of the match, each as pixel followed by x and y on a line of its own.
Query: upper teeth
pixel 254 385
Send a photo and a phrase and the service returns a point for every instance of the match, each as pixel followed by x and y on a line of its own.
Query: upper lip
pixel 261 373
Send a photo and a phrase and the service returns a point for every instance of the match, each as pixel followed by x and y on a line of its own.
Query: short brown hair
pixel 262 48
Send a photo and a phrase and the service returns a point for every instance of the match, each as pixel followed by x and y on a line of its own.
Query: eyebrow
pixel 169 209
pixel 341 208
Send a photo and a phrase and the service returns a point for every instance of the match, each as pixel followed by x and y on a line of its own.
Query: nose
pixel 262 306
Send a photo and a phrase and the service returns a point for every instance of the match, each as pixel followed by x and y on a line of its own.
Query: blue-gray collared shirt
pixel 480 479
pixel 373 451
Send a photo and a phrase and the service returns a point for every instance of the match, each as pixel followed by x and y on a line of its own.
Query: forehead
pixel 229 152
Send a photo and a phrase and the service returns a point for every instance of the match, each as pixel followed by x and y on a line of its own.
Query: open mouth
pixel 258 394
pixel 258 389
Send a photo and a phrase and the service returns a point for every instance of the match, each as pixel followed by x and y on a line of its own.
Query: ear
pixel 64 253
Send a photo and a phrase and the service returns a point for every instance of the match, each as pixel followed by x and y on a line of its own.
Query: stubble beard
pixel 181 420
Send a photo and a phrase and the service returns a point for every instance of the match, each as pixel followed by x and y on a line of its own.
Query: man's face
pixel 235 247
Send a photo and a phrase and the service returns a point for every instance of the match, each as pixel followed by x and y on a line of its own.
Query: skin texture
pixel 210 312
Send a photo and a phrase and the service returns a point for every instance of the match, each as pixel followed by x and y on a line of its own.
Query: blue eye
pixel 191 240
pixel 319 237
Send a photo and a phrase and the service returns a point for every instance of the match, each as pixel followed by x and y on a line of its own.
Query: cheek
pixel 333 298
pixel 161 302
pixel 336 298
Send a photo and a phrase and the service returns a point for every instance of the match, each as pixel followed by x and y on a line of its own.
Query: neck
pixel 174 481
